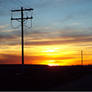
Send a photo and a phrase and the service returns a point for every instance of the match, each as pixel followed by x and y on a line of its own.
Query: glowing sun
pixel 53 65
pixel 49 51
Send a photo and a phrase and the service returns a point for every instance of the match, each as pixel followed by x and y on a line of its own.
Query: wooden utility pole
pixel 22 19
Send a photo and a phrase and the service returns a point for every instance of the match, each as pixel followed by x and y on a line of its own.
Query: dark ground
pixel 45 78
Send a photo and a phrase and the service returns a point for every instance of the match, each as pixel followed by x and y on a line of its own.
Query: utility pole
pixel 22 19
pixel 81 57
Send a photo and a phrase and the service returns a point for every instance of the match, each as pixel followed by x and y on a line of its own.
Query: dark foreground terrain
pixel 37 78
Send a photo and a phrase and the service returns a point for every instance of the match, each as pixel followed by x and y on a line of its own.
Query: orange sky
pixel 47 55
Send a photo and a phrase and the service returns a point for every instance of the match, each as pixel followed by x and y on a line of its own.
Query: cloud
pixel 9 59
pixel 3 27
pixel 14 59
pixel 63 36
pixel 7 37
pixel 61 42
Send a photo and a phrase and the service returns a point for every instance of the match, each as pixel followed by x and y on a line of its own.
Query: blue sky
pixel 67 17
pixel 51 11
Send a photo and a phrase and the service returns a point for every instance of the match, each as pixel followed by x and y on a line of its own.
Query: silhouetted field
pixel 39 77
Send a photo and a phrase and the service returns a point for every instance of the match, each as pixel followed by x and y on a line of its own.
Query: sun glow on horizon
pixel 53 64
pixel 49 51
pixel 53 49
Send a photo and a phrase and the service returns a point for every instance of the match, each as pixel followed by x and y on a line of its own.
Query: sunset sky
pixel 61 29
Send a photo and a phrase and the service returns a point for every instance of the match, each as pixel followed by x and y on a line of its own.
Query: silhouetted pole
pixel 81 57
pixel 22 28
pixel 22 35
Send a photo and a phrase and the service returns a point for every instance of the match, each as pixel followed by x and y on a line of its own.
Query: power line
pixel 15 2
pixel 22 4
pixel 26 3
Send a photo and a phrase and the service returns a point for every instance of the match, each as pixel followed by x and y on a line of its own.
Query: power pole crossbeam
pixel 22 19
pixel 30 9
pixel 27 18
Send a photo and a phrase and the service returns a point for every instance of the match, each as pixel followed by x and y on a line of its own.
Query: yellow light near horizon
pixel 53 64
pixel 51 60
pixel 49 51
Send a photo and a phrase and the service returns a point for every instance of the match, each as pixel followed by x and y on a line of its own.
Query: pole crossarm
pixel 30 9
pixel 23 18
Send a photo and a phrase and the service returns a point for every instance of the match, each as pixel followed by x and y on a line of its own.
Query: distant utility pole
pixel 22 19
pixel 81 57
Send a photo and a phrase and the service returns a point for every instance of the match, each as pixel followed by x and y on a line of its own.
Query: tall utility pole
pixel 81 57
pixel 22 19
